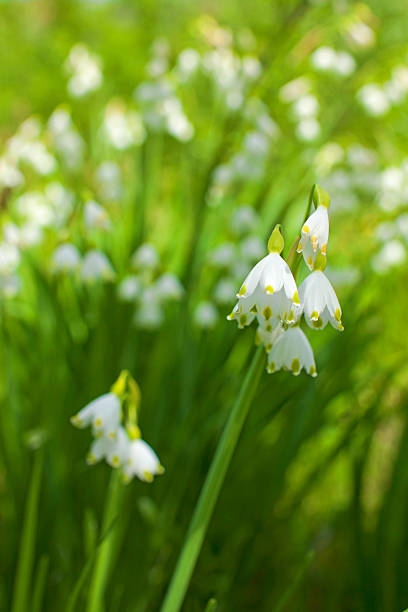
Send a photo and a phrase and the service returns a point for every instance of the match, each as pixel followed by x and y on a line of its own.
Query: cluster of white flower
pixel 327 59
pixel 148 291
pixel 85 70
pixel 250 161
pixel 304 107
pixel 93 267
pixel 233 260
pixel 117 437
pixel 377 99
pixel 65 139
pixel 123 128
pixel 162 110
pixel 269 295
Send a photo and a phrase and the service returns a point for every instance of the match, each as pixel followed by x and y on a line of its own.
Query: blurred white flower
pixel 205 315
pixel 85 69
pixel 108 176
pixel 223 255
pixel 168 287
pixel 324 58
pixel 123 128
pixel 95 216
pixel 130 288
pixel 96 266
pixel 187 62
pixel 294 89
pixel 142 462
pixel 251 249
pixel 10 175
pixel 361 34
pixel 66 258
pixel 145 257
pixel 66 140
pixel 10 285
pixel 374 99
pixel 308 128
pixel 391 255
pixel 244 219
pixel 224 291
pixel 9 258
pixel 292 351
pixel 306 106
pixel 103 413
pixel 114 450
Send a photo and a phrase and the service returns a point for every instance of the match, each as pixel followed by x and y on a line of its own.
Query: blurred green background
pixel 173 116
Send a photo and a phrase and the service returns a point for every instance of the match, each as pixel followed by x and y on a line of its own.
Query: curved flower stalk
pixel 268 294
pixel 117 437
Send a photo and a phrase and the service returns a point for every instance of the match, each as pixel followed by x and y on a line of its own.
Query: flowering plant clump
pixel 269 294
pixel 117 436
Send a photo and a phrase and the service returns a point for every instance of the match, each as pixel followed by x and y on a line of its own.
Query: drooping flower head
pixel 319 300
pixel 269 290
pixel 315 231
pixel 292 351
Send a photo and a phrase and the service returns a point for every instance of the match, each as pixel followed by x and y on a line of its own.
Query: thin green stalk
pixel 210 491
pixel 103 560
pixel 295 582
pixel 39 585
pixel 26 555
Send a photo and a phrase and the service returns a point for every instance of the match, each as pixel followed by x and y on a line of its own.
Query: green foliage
pixel 312 515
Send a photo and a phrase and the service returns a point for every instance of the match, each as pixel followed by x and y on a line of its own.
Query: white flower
pixel 146 256
pixel 142 462
pixel 103 414
pixel 392 254
pixel 168 287
pixel 308 128
pixel 85 69
pixel 269 290
pixel 252 248
pixel 109 181
pixel 223 255
pixel 319 301
pixel 115 451
pixel 266 334
pixel 96 266
pixel 65 258
pixel 130 288
pixel 9 258
pixel 374 99
pixel 224 291
pixel 292 351
pixel 243 219
pixel 150 315
pixel 95 216
pixel 205 315
pixel 315 235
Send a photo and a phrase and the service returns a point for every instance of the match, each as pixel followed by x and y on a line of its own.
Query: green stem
pixel 27 545
pixel 103 560
pixel 210 491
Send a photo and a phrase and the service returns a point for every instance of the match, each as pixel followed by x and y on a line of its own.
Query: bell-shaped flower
pixel 269 290
pixel 96 266
pixel 130 288
pixel 142 462
pixel 95 216
pixel 114 450
pixel 168 287
pixel 315 231
pixel 66 258
pixel 319 300
pixel 103 414
pixel 145 256
pixel 292 351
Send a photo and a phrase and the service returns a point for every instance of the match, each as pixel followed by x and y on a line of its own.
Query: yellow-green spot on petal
pixel 268 348
pixel 243 320
pixel 258 338
pixel 271 367
pixel 340 327
pixel 98 422
pixel 318 324
pixel 291 316
pixel 312 371
pixel 309 260
pixel 305 229
pixel 268 327
pixel 160 469
pixel 231 315
pixel 90 459
pixel 320 261
pixel 295 367
pixel 295 298
pixel 269 289
pixel 267 313
pixel 337 315
pixel 254 309
pixel 148 476
pixel 314 315
pixel 112 435
pixel 242 291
